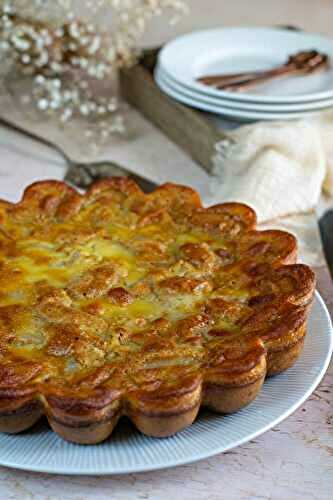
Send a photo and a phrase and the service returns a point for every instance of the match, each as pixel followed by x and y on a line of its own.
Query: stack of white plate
pixel 231 50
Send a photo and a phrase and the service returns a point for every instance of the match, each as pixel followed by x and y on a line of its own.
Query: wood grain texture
pixel 187 127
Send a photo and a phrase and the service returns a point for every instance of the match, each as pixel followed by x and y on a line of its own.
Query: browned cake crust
pixel 119 303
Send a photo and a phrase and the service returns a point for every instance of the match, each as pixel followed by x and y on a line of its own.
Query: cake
pixel 120 303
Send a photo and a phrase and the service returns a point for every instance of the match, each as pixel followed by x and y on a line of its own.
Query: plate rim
pixel 236 114
pixel 313 106
pixel 255 98
pixel 204 455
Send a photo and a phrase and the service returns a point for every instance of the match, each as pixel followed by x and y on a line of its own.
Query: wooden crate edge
pixel 186 127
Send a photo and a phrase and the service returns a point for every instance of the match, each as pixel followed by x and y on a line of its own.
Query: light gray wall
pixel 312 15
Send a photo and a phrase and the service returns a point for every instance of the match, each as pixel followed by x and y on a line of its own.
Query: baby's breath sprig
pixel 65 54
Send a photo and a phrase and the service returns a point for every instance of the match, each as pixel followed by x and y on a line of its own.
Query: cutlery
pixel 304 62
pixel 298 58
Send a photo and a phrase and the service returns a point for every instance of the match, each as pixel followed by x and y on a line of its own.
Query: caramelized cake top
pixel 119 291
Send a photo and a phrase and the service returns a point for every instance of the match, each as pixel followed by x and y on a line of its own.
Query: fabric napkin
pixel 279 168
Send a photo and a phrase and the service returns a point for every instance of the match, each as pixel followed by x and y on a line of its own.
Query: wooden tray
pixel 188 128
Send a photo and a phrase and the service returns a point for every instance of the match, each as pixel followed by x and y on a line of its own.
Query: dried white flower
pixel 65 54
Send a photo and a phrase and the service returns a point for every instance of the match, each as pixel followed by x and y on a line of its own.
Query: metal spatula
pixel 83 174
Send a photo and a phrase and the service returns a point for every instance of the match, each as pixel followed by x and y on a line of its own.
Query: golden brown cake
pixel 119 303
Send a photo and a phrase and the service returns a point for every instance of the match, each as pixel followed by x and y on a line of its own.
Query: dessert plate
pixel 40 449
pixel 237 114
pixel 244 106
pixel 233 50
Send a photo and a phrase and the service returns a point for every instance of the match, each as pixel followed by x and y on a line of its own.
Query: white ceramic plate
pixel 244 106
pixel 231 50
pixel 237 114
pixel 128 451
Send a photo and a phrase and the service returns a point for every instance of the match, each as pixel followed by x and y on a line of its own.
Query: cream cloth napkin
pixel 279 168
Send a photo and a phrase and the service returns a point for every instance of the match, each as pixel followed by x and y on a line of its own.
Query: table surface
pixel 292 461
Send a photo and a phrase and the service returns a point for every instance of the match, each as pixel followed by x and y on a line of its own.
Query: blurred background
pixel 310 15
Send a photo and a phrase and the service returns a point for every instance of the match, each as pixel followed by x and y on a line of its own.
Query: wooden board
pixel 187 127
